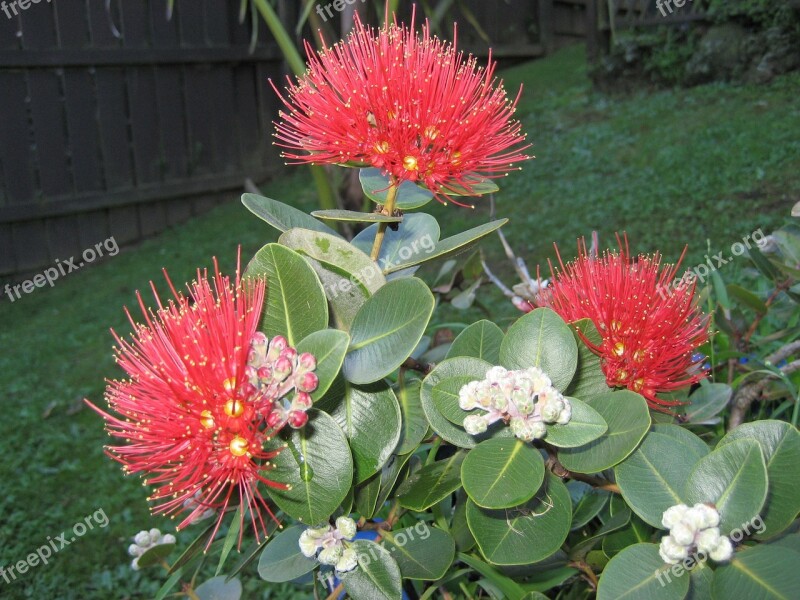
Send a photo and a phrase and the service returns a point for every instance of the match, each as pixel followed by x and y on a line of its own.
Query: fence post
pixel 592 31
pixel 546 29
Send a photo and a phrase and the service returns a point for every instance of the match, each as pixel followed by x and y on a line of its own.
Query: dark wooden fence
pixel 606 17
pixel 115 121
pixel 123 123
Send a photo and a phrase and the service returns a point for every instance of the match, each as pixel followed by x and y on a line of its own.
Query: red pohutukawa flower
pixel 410 105
pixel 205 391
pixel 649 329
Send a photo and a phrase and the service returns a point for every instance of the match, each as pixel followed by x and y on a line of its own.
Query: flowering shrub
pixel 296 405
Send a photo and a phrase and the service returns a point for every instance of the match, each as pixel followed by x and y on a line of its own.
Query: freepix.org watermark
pixel 666 5
pixel 18 5
pixel 703 270
pixel 691 562
pixel 62 268
pixel 364 276
pixel 338 6
pixel 54 545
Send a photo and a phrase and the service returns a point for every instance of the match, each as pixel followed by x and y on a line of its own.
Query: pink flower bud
pixel 289 353
pixel 282 368
pixel 307 382
pixel 265 373
pixel 275 419
pixel 307 361
pixel 276 346
pixel 297 418
pixel 302 401
pixel 259 339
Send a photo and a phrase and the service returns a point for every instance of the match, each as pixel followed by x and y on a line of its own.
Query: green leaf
pixel 389 475
pixel 366 496
pixel 463 536
pixel 527 533
pixel 376 187
pixel 478 186
pixel 541 339
pixel 684 437
pixel 282 560
pixel 431 483
pixel 502 473
pixel 295 306
pixel 282 216
pixel 370 418
pixel 617 521
pixel 734 478
pixel 377 576
pixel 763 264
pixel 584 426
pixel 639 573
pixel 354 216
pixel 450 246
pixel 230 539
pixel 413 425
pixel 449 369
pixel 635 532
pixel 422 552
pixel 701 581
pixel 747 298
pixel 155 555
pixel 217 588
pixel 780 444
pixel 336 255
pixel 587 502
pixel 653 478
pixel 328 347
pixel 416 235
pixel 479 340
pixel 764 572
pixel 707 402
pixel 589 380
pixel 508 587
pixel 628 420
pixel 387 329
pixel 317 464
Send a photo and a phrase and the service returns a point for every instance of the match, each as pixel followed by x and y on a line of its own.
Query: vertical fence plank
pixel 30 245
pixel 113 122
pixel 81 109
pixel 62 237
pixel 15 151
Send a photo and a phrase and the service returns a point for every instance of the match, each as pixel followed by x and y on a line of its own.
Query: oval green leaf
pixel 282 216
pixel 281 559
pixel 585 425
pixel 526 534
pixel 431 483
pixel 637 573
pixel 780 444
pixel 734 478
pixel 502 473
pixel 295 306
pixel 417 234
pixel 387 329
pixel 328 347
pixel 353 216
pixel 376 187
pixel 764 572
pixel 422 552
pixel 318 466
pixel 377 576
pixel 541 339
pixel 628 420
pixel 479 340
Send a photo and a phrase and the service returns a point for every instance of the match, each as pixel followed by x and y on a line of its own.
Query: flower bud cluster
pixel 274 369
pixel 690 529
pixel 329 541
pixel 144 541
pixel 526 400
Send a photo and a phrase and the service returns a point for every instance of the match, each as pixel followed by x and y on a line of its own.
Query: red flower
pixel 411 106
pixel 204 394
pixel 650 330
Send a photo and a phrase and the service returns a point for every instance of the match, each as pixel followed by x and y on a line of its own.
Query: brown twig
pixel 556 468
pixel 748 393
pixel 415 365
pixel 587 572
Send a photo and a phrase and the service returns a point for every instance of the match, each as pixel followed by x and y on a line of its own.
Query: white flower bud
pixel 348 561
pixel 672 552
pixel 308 544
pixel 346 527
pixel 539 379
pixel 566 413
pixel 475 425
pixel 467 396
pixel 142 539
pixel 523 401
pixel 135 550
pixel 723 551
pixel 330 556
pixel 496 374
pixel 707 540
pixel 552 410
pixel 168 539
pixel 707 516
pixel 155 536
pixel 135 564
pixel 683 533
pixel 673 515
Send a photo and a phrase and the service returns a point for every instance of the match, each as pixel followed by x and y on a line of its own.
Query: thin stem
pixel 388 209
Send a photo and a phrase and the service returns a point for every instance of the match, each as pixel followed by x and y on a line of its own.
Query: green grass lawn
pixel 669 168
